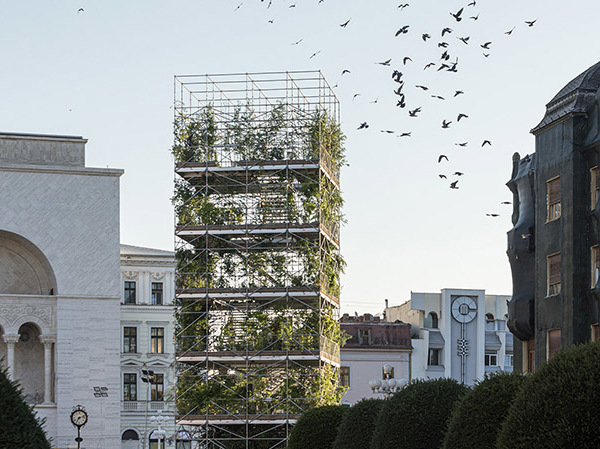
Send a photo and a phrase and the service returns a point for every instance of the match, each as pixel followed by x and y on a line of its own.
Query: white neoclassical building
pixel 60 284
pixel 147 343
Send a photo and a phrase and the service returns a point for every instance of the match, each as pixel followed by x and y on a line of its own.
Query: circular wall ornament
pixel 464 309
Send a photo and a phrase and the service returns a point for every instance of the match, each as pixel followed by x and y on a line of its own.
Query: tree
pixel 559 405
pixel 19 427
pixel 478 418
pixel 317 428
pixel 356 428
pixel 417 416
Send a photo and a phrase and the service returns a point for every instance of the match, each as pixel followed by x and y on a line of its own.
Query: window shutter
pixel 554 191
pixel 554 269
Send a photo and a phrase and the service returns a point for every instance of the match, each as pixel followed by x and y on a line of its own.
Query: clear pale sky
pixel 107 74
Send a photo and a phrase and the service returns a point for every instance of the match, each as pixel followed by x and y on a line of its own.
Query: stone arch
pixel 24 268
pixel 131 439
pixel 29 362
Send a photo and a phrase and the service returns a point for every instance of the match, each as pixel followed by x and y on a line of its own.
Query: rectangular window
pixel 508 360
pixel 595 332
pixel 129 387
pixel 129 339
pixel 157 293
pixel 345 376
pixel 157 387
pixel 491 359
pixel 364 336
pixel 595 265
pixel 553 199
pixel 553 343
pixel 434 357
pixel 553 269
pixel 129 297
pixel 594 187
pixel 157 340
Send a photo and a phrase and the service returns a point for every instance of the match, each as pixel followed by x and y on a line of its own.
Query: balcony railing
pixel 140 406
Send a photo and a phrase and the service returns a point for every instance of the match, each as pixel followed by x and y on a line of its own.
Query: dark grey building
pixel 553 246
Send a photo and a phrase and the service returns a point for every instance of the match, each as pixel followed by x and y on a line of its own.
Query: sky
pixel 106 73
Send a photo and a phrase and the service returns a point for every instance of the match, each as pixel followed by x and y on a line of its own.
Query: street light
pixel 160 434
pixel 388 385
pixel 147 377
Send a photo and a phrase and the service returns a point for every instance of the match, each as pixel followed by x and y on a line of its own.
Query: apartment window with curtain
pixel 129 297
pixel 157 293
pixel 157 387
pixel 157 340
pixel 595 265
pixel 554 276
pixel 129 387
pixel 129 339
pixel 553 343
pixel 594 187
pixel 553 199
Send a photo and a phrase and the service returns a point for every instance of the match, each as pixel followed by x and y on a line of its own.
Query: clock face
pixel 79 417
pixel 464 309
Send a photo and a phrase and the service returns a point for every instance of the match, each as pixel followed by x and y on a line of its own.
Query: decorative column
pixel 47 341
pixel 11 340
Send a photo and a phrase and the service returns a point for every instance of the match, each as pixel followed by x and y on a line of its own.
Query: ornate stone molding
pixel 13 312
pixel 47 339
pixel 11 338
pixel 157 276
pixel 130 275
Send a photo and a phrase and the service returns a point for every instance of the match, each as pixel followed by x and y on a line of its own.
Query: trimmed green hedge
pixel 357 427
pixel 478 418
pixel 559 405
pixel 417 416
pixel 317 428
pixel 19 427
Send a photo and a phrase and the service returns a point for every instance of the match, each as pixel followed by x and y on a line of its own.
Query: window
pixel 130 434
pixel 553 343
pixel 508 360
pixel 553 268
pixel 553 199
pixel 345 376
pixel 157 387
pixel 595 265
pixel 595 334
pixel 432 321
pixel 157 293
pixel 129 387
pixel 157 340
pixel 434 357
pixel 154 444
pixel 364 336
pixel 129 339
pixel 594 187
pixel 129 297
pixel 490 323
pixel 491 359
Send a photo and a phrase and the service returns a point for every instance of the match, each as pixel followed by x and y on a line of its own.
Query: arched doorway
pixel 130 439
pixel 29 363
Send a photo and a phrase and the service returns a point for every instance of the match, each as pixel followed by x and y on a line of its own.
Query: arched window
pixel 490 323
pixel 434 320
pixel 130 434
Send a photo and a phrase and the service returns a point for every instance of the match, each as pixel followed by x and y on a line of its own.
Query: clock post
pixel 79 418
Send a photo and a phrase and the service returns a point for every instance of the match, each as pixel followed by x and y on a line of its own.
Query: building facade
pixel 147 343
pixel 373 343
pixel 553 246
pixel 459 334
pixel 59 283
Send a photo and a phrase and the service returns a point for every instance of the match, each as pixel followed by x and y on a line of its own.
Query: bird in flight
pixel 297 42
pixel 402 30
pixel 443 66
pixel 458 173
pixel 405 134
pixel 345 71
pixel 464 39
pixel 388 131
pixel 461 144
pixel 439 97
pixel 355 95
pixel 486 142
pixel 363 125
pixel 442 44
pixel 399 90
pixel 401 7
pixel 376 100
pixel 422 87
pixel 406 59
pixel 474 17
pixel 271 21
pixel 473 3
pixel 401 102
pixel 443 176
pixel 487 55
pixel 530 23
pixel 458 92
pixel 425 36
pixel 293 6
pixel 457 15
pixel 445 56
pixel 446 30
pixel 414 112
pixel 314 54
pixel 445 124
pixel 492 215
pixel 461 115
pixel 431 64
pixel 343 25
pixel 80 10
pixel 442 156
pixel 396 75
pixel 506 202
pixel 508 33
pixel 486 46
pixel 384 62
pixel 453 184
pixel 238 7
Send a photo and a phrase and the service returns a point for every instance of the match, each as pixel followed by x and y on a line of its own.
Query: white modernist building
pixel 147 343
pixel 457 333
pixel 60 284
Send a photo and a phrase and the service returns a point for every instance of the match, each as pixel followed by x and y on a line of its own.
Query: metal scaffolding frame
pixel 257 238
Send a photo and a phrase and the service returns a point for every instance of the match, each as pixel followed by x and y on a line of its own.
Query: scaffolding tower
pixel 258 212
